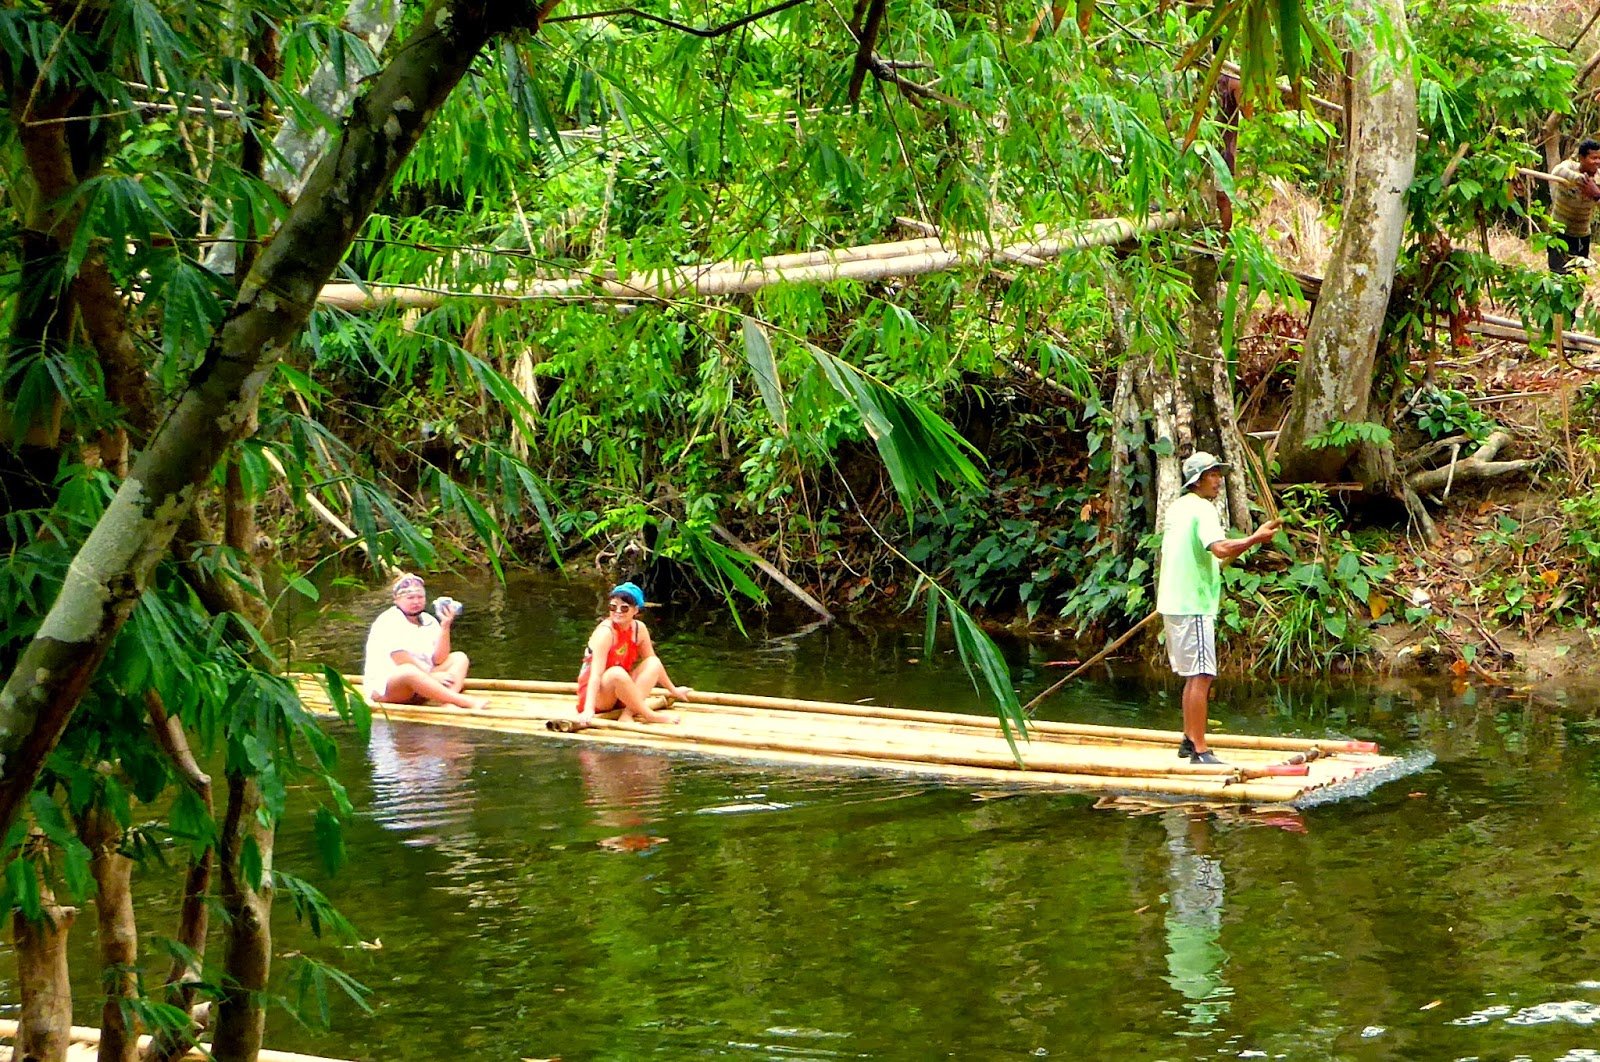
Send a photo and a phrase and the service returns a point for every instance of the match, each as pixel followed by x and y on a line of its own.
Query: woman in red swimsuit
pixel 632 670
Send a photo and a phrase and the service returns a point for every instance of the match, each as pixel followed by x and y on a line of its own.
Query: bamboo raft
pixel 85 1047
pixel 963 749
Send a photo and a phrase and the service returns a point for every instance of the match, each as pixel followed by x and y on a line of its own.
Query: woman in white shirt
pixel 408 653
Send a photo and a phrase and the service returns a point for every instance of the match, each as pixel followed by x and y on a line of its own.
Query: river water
pixel 529 899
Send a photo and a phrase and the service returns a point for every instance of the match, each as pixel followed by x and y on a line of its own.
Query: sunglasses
pixel 618 606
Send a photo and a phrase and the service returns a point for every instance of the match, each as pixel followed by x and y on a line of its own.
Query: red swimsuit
pixel 624 654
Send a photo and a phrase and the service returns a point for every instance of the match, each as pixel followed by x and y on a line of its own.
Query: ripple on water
pixel 1570 1011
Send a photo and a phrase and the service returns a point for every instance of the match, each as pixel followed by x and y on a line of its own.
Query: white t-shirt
pixel 392 632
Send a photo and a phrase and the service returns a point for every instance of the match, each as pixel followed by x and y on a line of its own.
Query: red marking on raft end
pixel 1287 770
pixel 1362 746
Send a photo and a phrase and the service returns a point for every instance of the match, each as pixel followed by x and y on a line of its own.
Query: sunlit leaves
pixel 919 448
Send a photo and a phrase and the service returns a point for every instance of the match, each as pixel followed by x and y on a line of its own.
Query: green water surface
pixel 523 898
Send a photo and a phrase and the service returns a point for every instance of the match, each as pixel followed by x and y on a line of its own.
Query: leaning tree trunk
pixel 113 567
pixel 247 948
pixel 44 1026
pixel 1334 381
pixel 1217 418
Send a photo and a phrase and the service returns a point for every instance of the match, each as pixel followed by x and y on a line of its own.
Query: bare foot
pixel 476 703
pixel 682 693
pixel 650 717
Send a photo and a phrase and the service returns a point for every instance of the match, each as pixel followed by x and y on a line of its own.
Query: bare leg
pixel 452 674
pixel 652 673
pixel 411 682
pixel 619 687
pixel 1196 698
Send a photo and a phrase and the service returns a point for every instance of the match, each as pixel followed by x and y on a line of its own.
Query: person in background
pixel 1194 548
pixel 1572 201
pixel 629 669
pixel 409 660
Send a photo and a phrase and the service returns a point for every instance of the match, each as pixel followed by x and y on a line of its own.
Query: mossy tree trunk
pixel 218 404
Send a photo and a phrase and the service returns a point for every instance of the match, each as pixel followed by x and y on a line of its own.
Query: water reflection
pixel 626 791
pixel 1195 958
pixel 421 781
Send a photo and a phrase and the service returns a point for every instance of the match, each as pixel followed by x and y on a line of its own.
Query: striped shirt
pixel 1572 208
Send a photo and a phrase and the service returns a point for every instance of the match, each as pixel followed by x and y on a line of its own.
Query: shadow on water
pixel 530 899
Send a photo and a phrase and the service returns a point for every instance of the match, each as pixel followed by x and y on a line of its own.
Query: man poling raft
pixel 1194 548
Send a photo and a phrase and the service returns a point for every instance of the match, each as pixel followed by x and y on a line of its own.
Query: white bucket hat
pixel 1198 464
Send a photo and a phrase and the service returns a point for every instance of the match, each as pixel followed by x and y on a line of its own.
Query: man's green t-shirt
pixel 1190 580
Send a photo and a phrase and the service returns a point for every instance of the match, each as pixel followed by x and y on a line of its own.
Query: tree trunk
pixel 44 1028
pixel 1334 383
pixel 247 947
pixel 194 910
pixel 112 568
pixel 1217 420
pixel 117 931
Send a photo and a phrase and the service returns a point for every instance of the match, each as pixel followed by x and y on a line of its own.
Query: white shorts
pixel 1192 644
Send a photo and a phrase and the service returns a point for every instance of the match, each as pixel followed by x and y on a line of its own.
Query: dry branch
pixel 772 572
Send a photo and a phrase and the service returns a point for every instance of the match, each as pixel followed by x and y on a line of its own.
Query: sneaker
pixel 1207 758
pixel 1185 748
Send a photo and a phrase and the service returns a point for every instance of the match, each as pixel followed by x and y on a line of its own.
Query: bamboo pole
pixel 773 573
pixel 1028 708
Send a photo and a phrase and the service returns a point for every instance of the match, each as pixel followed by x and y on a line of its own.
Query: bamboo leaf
pixel 1289 19
pixel 982 660
pixel 758 354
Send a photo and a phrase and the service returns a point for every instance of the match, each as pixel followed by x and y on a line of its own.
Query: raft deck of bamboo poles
pixel 85 1047
pixel 962 749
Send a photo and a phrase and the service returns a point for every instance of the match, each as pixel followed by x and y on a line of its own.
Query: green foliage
pixel 1486 83
pixel 1016 545
pixel 1312 613
pixel 1341 434
pixel 1443 411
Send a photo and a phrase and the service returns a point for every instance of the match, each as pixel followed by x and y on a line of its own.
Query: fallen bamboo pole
pixel 773 573
pixel 737 278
